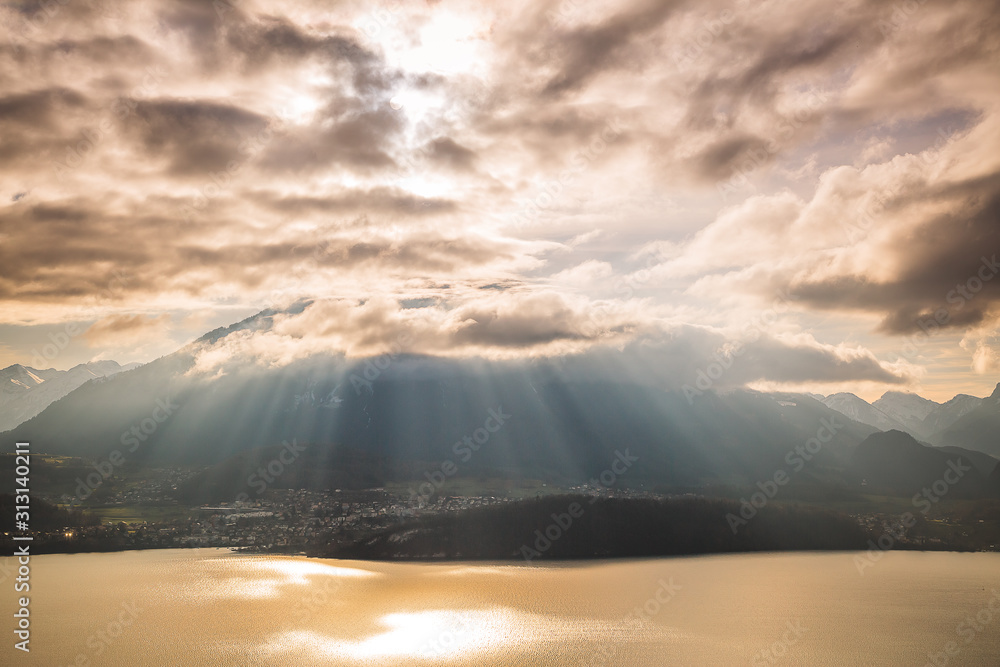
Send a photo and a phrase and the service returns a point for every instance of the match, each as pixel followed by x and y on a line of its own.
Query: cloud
pixel 230 155
pixel 123 330
pixel 587 50
pixel 904 240
pixel 195 137
pixel 601 337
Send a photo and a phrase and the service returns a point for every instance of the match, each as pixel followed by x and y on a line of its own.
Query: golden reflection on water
pixel 423 634
pixel 444 635
pixel 258 578
pixel 213 607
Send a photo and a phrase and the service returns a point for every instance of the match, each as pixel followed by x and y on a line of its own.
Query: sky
pixel 796 196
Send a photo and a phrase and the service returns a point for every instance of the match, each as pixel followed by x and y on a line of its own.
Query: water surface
pixel 210 606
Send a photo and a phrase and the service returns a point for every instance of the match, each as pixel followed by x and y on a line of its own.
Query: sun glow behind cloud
pixel 452 151
pixel 444 42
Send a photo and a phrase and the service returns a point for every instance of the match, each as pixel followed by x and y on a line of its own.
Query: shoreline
pixel 512 560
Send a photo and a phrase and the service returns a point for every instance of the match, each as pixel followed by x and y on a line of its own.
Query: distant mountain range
pixel 977 429
pixel 910 410
pixel 894 463
pixel 26 391
pixel 862 411
pixel 402 418
pixel 964 421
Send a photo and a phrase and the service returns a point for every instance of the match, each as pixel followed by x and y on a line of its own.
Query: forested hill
pixel 566 527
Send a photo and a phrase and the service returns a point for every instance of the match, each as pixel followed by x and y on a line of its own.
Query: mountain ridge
pixel 25 391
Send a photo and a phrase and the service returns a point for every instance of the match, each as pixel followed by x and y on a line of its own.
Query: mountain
pixel 893 462
pixel 862 411
pixel 984 463
pixel 541 419
pixel 979 429
pixel 25 391
pixel 907 409
pixel 940 418
pixel 348 422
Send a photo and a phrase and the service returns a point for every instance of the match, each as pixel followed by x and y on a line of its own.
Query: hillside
pixel 565 527
pixel 978 429
pixel 893 462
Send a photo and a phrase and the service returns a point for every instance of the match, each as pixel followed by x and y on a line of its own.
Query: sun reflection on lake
pixel 422 634
pixel 263 578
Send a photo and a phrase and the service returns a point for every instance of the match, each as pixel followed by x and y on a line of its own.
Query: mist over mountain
pixel 396 416
pixel 862 411
pixel 561 419
pixel 906 408
pixel 943 416
pixel 977 429
pixel 941 424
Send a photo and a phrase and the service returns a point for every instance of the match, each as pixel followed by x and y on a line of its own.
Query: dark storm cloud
pixel 716 161
pixel 451 154
pixel 380 200
pixel 103 50
pixel 946 265
pixel 587 51
pixel 196 137
pixel 774 360
pixel 120 328
pixel 677 358
pixel 38 110
pixel 75 250
pixel 360 140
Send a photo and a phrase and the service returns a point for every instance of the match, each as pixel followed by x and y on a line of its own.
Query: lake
pixel 214 607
